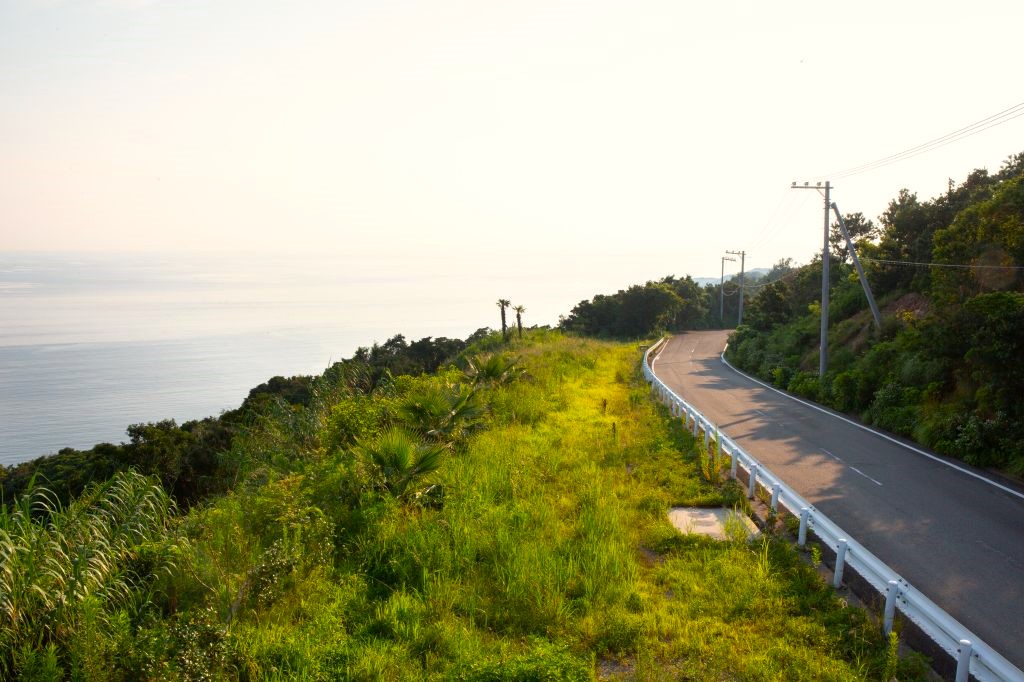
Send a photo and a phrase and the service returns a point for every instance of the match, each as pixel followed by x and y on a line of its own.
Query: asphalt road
pixel 958 539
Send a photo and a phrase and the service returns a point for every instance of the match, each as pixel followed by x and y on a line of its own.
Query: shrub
pixel 894 408
pixel 804 384
pixel 845 396
pixel 781 376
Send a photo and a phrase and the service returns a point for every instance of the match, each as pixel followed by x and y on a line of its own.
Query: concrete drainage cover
pixel 710 522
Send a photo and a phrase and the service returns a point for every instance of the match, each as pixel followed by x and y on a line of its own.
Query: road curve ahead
pixel 958 539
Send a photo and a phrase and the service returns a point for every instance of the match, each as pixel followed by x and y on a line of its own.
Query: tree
pixel 504 303
pixel 638 311
pixel 989 234
pixel 771 306
pixel 860 229
pixel 519 318
pixel 693 307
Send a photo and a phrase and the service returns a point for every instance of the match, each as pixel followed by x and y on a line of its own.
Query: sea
pixel 93 342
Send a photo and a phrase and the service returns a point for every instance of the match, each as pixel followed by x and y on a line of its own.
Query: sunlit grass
pixel 545 554
pixel 553 539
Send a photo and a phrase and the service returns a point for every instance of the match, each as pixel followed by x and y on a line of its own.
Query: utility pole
pixel 823 354
pixel 742 255
pixel 721 292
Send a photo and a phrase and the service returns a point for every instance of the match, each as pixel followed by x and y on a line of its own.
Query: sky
pixel 624 140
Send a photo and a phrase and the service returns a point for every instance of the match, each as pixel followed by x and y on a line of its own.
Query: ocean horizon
pixel 91 343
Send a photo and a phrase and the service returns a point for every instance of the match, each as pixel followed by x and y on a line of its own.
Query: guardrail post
pixel 752 486
pixel 805 515
pixel 776 489
pixel 707 435
pixel 734 456
pixel 890 605
pixel 718 444
pixel 837 576
pixel 963 660
pixel 696 423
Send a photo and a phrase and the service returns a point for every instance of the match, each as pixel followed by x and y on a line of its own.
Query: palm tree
pixel 504 303
pixel 520 309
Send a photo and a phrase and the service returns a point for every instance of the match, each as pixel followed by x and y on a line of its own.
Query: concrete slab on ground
pixel 707 521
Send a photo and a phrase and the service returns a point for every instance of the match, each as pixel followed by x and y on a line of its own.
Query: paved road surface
pixel 958 539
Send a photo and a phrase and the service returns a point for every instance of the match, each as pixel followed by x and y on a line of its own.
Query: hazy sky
pixel 649 136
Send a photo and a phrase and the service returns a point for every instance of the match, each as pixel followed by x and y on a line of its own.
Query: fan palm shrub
pixel 400 459
pixel 442 413
pixel 493 369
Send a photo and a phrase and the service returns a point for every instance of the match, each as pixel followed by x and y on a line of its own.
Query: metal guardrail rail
pixel 972 655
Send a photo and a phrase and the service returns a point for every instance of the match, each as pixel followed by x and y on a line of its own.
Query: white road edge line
pixel 877 433
pixel 831 455
pixel 658 354
pixel 865 475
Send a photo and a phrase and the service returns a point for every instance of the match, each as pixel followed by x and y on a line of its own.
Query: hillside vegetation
pixel 497 520
pixel 947 366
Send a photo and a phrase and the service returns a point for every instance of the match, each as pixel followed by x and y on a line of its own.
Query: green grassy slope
pixel 538 549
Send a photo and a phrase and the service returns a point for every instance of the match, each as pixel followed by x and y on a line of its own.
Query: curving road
pixel 957 538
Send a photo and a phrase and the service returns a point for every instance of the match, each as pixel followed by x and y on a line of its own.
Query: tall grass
pixel 548 556
pixel 61 569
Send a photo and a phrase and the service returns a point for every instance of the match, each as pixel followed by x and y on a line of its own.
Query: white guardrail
pixel 969 652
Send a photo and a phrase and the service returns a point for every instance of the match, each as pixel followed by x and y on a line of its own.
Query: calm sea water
pixel 92 343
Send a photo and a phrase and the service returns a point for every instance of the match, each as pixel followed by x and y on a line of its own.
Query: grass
pixel 552 554
pixel 549 556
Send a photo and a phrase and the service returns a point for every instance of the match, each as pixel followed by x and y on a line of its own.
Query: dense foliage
pixel 194 459
pixel 505 520
pixel 947 367
pixel 641 310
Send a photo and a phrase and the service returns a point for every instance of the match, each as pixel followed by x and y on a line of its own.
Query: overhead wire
pixel 787 198
pixel 759 285
pixel 942 265
pixel 997 119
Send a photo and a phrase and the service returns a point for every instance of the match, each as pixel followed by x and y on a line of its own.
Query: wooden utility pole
pixel 823 353
pixel 742 255
pixel 721 292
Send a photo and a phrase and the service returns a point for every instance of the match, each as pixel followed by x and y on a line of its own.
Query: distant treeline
pixel 194 459
pixel 947 366
pixel 670 304
pixel 642 309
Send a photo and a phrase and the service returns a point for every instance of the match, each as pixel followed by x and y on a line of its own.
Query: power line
pixel 786 198
pixel 791 273
pixel 1005 116
pixel 943 265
